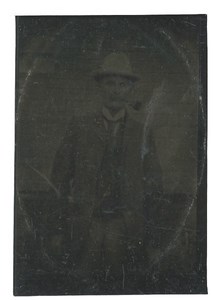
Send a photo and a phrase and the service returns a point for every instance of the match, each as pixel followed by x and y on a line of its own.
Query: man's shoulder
pixel 87 121
pixel 138 117
pixel 83 122
pixel 86 118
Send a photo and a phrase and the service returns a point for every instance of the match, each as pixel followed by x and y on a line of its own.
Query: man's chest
pixel 93 140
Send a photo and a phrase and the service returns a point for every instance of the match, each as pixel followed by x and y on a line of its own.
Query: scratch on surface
pixel 177 49
pixel 107 273
pixel 123 271
pixel 151 107
pixel 173 242
pixel 29 73
pixel 27 219
pixel 46 179
pixel 140 47
pixel 189 23
pixel 33 67
pixel 100 45
pixel 71 234
pixel 204 143
pixel 201 105
pixel 172 229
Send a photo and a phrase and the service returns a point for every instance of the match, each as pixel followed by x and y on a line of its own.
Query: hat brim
pixel 101 74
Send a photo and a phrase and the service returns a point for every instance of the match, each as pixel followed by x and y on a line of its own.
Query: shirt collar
pixel 117 117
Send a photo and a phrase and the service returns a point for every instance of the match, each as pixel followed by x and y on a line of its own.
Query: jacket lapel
pixel 132 138
pixel 99 129
pixel 97 140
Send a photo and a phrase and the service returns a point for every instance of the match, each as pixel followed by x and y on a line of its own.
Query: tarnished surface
pixel 110 155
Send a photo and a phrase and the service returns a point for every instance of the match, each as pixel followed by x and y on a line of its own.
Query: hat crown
pixel 116 63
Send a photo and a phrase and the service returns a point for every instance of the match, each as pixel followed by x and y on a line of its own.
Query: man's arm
pixel 64 164
pixel 152 168
pixel 58 221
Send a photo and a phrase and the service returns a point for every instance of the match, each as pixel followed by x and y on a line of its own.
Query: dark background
pixel 55 61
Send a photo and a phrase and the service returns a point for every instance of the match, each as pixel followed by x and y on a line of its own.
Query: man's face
pixel 115 91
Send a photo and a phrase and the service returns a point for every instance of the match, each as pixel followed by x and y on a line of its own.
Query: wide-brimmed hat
pixel 116 64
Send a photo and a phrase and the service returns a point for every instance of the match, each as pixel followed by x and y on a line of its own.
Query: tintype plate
pixel 110 155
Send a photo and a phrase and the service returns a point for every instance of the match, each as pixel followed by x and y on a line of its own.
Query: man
pixel 104 171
